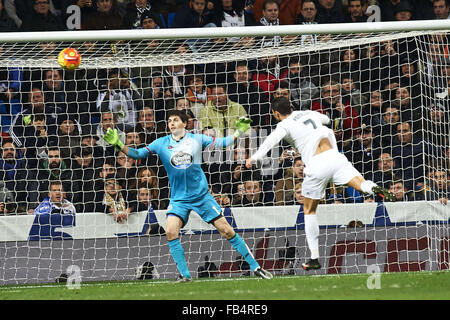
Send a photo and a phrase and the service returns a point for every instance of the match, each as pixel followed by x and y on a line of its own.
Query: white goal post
pixel 392 79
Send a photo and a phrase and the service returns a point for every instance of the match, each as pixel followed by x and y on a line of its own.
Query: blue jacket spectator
pixel 55 202
pixel 194 16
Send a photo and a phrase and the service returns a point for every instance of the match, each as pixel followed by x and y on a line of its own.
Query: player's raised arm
pixel 112 137
pixel 273 139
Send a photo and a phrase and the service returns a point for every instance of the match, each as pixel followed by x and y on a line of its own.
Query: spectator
pixel 35 139
pixel 51 169
pixel 231 13
pixel 120 98
pixel 285 188
pixel 302 90
pixel 7 203
pixel 402 194
pixel 298 197
pixel 349 63
pixel 437 129
pixel 105 18
pixel 386 172
pixel 17 178
pixel 174 79
pixel 107 120
pixel 61 93
pixel 441 9
pixel 388 9
pixel 197 93
pixel 192 124
pixel 108 167
pixel 41 19
pixel 115 200
pixel 126 170
pixel 435 67
pixel 145 203
pixel 146 177
pixel 288 10
pixel 222 199
pixel 133 139
pixel 363 152
pixel 245 92
pixel 151 20
pixel 148 129
pixel 308 15
pixel 409 108
pixel 83 166
pixel 55 202
pixel 196 15
pixel 332 105
pixel 134 13
pixel 388 129
pixel 182 104
pixel 155 95
pixel 403 11
pixel 355 11
pixel 253 194
pixel 409 151
pixel 36 105
pixel 221 113
pixel 439 186
pixel 68 135
pixel 281 90
pixel 6 23
pixel 372 112
pixel 351 93
pixel 270 11
pixel 268 74
pixel 330 11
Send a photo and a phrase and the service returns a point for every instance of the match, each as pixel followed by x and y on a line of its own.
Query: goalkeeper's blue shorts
pixel 206 207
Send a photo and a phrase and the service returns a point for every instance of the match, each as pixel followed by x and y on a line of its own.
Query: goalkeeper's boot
pixel 260 272
pixel 312 264
pixel 181 279
pixel 385 194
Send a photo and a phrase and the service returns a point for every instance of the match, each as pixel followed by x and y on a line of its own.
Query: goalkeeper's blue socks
pixel 177 252
pixel 242 248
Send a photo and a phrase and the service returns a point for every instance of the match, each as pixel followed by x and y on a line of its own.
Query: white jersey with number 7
pixel 303 130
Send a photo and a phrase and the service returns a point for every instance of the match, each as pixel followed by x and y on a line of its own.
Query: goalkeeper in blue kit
pixel 181 154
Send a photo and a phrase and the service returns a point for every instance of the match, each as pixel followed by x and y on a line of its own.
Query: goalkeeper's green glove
pixel 242 125
pixel 112 137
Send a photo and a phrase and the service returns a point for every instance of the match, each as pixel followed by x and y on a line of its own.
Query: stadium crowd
pixel 390 113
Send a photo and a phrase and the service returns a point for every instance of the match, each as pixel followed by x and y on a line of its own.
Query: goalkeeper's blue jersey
pixel 182 160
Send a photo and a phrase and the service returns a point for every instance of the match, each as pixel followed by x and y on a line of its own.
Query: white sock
pixel 312 234
pixel 367 186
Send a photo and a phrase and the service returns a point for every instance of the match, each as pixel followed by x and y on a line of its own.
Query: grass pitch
pixel 392 286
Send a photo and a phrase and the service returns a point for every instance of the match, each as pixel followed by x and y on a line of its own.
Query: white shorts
pixel 323 168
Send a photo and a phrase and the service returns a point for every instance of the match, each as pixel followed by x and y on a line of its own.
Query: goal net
pixel 73 205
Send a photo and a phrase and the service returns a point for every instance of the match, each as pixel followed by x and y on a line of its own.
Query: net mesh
pixel 387 94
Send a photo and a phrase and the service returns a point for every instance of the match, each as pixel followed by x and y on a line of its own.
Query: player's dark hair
pixel 282 105
pixel 178 113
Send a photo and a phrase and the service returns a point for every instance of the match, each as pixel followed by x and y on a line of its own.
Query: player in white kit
pixel 306 131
